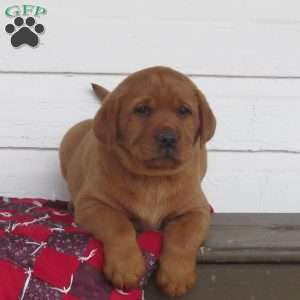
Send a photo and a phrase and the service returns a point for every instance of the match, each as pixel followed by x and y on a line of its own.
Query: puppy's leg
pixel 182 239
pixel 124 262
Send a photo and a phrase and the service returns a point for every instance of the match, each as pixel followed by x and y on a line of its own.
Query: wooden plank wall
pixel 244 55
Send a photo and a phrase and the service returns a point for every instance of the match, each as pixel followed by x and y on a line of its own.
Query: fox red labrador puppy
pixel 140 162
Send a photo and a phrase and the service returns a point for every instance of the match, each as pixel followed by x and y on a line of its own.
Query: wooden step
pixel 247 257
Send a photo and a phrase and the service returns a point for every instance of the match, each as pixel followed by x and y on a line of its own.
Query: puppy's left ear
pixel 106 121
pixel 100 91
pixel 207 119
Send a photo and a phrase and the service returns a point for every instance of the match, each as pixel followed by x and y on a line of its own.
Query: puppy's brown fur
pixel 119 177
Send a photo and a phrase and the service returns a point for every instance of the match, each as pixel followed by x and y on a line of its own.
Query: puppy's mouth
pixel 166 159
pixel 168 153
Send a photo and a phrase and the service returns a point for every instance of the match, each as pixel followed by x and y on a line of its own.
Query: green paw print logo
pixel 25 30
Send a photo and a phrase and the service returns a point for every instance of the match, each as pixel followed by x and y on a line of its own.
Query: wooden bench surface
pixel 252 238
pixel 247 257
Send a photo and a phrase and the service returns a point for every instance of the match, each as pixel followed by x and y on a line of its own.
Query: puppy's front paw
pixel 176 278
pixel 124 267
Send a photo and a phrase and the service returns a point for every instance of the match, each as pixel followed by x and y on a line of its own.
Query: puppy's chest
pixel 151 206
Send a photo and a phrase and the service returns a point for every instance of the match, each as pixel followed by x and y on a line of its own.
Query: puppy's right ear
pixel 207 119
pixel 106 121
pixel 100 91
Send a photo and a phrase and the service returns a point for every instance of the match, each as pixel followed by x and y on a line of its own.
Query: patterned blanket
pixel 44 255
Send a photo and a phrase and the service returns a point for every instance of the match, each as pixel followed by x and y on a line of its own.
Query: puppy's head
pixel 155 120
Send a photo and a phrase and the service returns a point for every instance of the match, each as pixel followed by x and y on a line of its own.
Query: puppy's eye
pixel 184 111
pixel 143 110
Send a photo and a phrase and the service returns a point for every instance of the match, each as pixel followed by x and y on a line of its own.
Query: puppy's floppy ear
pixel 106 121
pixel 100 91
pixel 207 119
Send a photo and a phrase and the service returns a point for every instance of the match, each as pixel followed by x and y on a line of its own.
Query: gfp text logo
pixel 24 30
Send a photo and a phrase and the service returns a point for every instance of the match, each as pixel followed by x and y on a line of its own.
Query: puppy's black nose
pixel 167 139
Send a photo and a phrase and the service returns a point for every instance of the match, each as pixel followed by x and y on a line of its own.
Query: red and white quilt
pixel 44 255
